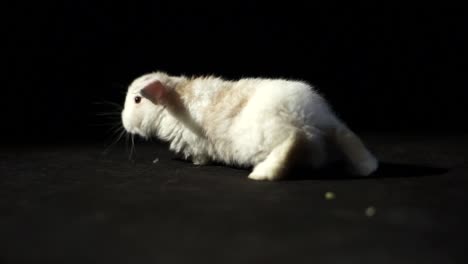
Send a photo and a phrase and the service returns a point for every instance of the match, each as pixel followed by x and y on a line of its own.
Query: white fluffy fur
pixel 270 124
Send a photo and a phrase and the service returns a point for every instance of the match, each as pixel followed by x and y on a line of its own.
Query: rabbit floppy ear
pixel 156 92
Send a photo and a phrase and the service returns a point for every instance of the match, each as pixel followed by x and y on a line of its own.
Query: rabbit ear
pixel 155 92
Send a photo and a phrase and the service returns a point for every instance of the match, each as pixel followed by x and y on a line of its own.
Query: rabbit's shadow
pixel 386 170
pixel 338 171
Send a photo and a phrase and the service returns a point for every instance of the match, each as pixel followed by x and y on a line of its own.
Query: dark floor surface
pixel 72 203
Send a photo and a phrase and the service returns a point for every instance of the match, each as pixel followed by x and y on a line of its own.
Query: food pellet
pixel 370 211
pixel 329 196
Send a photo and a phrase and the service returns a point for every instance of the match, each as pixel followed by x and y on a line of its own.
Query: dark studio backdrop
pixel 388 67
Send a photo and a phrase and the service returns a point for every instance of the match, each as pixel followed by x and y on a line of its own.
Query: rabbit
pixel 271 125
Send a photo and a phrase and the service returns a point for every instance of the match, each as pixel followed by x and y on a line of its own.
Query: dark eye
pixel 137 99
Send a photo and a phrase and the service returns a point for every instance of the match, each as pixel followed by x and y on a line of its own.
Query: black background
pixel 395 72
pixel 389 67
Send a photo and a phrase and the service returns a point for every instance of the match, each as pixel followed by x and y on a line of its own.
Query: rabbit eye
pixel 137 99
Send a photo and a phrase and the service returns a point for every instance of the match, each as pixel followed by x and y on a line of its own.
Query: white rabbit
pixel 270 124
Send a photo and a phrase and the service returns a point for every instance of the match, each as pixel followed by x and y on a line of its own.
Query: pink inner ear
pixel 154 92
